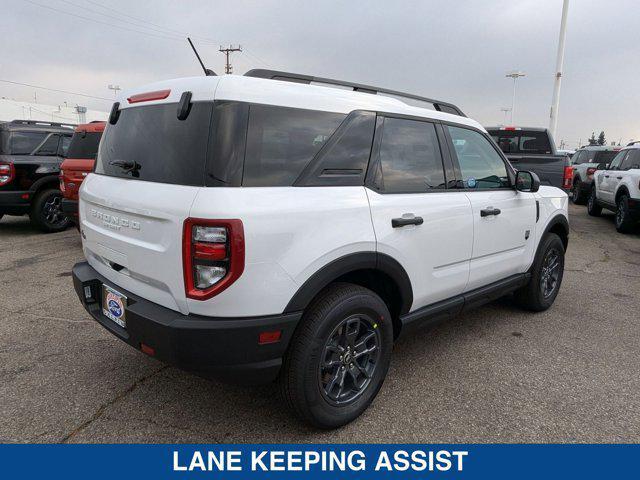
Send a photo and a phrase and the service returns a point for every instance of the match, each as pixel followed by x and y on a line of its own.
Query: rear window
pixel 522 141
pixel 282 141
pixel 84 145
pixel 149 143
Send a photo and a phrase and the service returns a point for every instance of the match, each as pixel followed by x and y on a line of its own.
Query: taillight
pixel 7 173
pixel 212 256
pixel 568 177
pixel 591 170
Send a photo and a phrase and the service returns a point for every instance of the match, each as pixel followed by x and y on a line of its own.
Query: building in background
pixel 65 113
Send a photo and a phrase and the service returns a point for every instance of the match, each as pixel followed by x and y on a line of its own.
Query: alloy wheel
pixel 349 359
pixel 550 272
pixel 52 211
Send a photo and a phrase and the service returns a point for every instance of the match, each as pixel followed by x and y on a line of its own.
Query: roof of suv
pixel 285 94
pixel 36 125
pixel 599 148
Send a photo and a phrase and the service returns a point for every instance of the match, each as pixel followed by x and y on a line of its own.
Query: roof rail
pixel 42 122
pixel 357 87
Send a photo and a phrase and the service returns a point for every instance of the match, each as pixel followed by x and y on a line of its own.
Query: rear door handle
pixel 486 212
pixel 404 221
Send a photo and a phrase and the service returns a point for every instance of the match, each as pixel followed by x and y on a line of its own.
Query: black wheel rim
pixel 620 213
pixel 574 193
pixel 550 275
pixel 349 359
pixel 52 211
pixel 591 200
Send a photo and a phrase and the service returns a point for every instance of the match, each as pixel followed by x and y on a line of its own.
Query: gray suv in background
pixel 585 162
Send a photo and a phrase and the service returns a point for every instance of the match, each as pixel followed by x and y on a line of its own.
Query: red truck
pixel 78 164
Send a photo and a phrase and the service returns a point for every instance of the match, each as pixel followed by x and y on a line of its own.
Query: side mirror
pixel 527 181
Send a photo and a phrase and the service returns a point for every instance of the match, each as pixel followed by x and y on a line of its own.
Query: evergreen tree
pixel 601 139
pixel 592 140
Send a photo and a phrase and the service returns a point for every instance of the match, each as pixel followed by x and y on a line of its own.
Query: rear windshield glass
pixel 149 143
pixel 84 145
pixel 522 141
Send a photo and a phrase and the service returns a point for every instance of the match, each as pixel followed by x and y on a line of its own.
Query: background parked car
pixel 30 156
pixel 533 149
pixel 80 160
pixel 618 189
pixel 585 162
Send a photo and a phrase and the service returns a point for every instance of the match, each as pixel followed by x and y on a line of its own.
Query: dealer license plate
pixel 113 305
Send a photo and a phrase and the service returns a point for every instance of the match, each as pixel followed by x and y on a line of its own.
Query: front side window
pixel 50 146
pixel 632 160
pixel 617 160
pixel 281 142
pixel 409 159
pixel 480 165
pixel 23 143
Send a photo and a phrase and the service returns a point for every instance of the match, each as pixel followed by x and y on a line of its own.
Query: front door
pixel 504 220
pixel 417 220
pixel 608 180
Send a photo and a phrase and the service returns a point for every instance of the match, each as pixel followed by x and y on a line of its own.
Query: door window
pixel 63 146
pixel 49 147
pixel 409 159
pixel 480 164
pixel 615 163
pixel 631 161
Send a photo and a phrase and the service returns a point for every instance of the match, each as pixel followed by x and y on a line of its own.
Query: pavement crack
pixel 103 408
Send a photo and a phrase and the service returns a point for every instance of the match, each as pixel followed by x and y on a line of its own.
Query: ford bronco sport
pixel 270 227
pixel 30 156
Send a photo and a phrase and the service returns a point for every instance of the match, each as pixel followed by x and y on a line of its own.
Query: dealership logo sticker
pixel 115 308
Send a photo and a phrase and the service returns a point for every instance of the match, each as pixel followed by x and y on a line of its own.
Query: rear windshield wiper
pixel 126 166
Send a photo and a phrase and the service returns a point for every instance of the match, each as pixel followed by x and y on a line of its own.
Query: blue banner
pixel 319 461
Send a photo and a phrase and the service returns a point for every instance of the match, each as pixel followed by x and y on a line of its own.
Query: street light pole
pixel 505 110
pixel 515 76
pixel 115 88
pixel 555 102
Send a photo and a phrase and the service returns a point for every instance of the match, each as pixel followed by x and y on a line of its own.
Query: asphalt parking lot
pixel 571 374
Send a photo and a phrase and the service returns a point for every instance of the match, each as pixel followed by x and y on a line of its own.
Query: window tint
pixel 345 158
pixel 480 165
pixel 577 158
pixel 282 141
pixel 604 156
pixel 23 143
pixel 409 157
pixel 149 143
pixel 84 145
pixel 63 146
pixel 632 160
pixel 50 146
pixel 521 141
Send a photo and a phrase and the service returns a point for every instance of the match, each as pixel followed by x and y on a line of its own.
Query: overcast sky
pixel 457 51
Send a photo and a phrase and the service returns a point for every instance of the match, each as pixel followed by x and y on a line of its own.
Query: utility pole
pixel 227 51
pixel 515 75
pixel 555 102
pixel 115 88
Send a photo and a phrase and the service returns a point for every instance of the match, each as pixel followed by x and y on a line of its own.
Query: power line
pixel 55 90
pixel 227 51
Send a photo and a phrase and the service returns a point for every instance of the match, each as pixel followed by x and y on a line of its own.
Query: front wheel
pixel 546 275
pixel 338 357
pixel 624 222
pixel 593 208
pixel 46 212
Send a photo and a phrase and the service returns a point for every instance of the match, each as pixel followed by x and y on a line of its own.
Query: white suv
pixel 263 227
pixel 618 189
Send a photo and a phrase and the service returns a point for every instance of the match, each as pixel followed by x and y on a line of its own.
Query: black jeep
pixel 30 156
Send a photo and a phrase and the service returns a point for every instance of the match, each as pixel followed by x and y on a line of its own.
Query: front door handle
pixel 486 212
pixel 619 178
pixel 404 221
pixel 606 176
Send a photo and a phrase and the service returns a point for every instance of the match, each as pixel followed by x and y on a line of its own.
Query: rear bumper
pixel 222 348
pixel 14 202
pixel 70 208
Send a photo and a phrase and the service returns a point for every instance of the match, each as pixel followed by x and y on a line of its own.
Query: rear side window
pixel 50 146
pixel 149 143
pixel 282 141
pixel 84 145
pixel 23 143
pixel 409 158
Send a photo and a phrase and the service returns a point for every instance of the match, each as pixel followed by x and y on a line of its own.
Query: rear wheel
pixel 624 222
pixel 339 356
pixel 546 275
pixel 593 208
pixel 577 195
pixel 46 212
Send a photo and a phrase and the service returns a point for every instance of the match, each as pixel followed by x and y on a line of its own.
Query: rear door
pixel 149 169
pixel 417 220
pixel 608 181
pixel 503 219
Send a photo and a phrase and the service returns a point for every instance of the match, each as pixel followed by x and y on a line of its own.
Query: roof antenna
pixel 207 72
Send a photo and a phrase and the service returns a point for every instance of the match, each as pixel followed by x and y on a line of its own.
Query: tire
pixel 46 214
pixel 536 296
pixel 593 208
pixel 577 194
pixel 624 222
pixel 317 359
